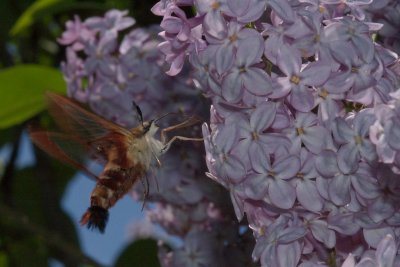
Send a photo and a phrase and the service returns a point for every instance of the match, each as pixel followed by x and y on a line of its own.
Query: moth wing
pixel 96 134
pixel 61 146
pixel 73 118
pixel 82 134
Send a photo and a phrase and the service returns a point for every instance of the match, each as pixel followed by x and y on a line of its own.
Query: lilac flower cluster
pixel 107 66
pixel 304 129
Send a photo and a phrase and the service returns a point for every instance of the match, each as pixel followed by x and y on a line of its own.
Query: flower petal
pixel 289 60
pixel 256 186
pixel 308 195
pixel 326 163
pixel 348 158
pixel 263 116
pixel 257 81
pixel 386 251
pixel 339 190
pixel 341 131
pixel 232 87
pixel 286 168
pixel 224 58
pixel 289 255
pixel 281 193
pixel 315 138
pixel 322 233
pixel 301 98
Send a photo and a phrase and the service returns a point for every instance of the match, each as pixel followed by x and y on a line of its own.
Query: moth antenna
pixel 138 112
pixel 165 115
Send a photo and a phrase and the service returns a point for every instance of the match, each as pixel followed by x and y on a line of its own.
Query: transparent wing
pixel 63 147
pixel 83 134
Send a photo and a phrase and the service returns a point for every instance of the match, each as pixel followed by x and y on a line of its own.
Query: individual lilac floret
pixel 213 23
pixel 244 75
pixel 227 46
pixel 270 178
pixel 328 98
pixel 353 136
pixel 220 159
pixel 278 244
pixel 298 79
pixel 99 55
pixel 306 131
pixel 77 34
pixel 305 182
pixel 251 131
pixel 357 33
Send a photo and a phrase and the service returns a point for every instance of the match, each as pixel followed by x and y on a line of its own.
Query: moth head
pixel 150 127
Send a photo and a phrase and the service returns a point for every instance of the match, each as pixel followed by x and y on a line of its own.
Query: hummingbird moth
pixel 125 153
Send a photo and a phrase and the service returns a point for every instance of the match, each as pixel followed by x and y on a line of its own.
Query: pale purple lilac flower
pixel 243 75
pixel 77 33
pixel 352 134
pixel 325 158
pixel 296 85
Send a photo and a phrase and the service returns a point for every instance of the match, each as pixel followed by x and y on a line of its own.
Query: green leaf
pixel 42 8
pixel 3 259
pixel 142 253
pixel 22 92
pixel 36 10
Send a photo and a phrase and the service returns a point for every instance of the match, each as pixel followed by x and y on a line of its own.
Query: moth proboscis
pixel 125 153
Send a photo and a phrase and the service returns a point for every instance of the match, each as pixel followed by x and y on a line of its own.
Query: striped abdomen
pixel 113 183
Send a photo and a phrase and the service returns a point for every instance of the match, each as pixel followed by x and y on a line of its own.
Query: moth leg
pixel 158 188
pixel 189 122
pixel 177 137
pixel 146 190
pixel 157 159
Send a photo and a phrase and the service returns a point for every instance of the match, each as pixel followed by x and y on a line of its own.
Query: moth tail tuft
pixel 95 218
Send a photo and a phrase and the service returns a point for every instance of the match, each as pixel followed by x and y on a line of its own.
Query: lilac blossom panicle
pixel 108 70
pixel 304 129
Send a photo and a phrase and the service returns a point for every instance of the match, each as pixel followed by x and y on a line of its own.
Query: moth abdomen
pixel 95 218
